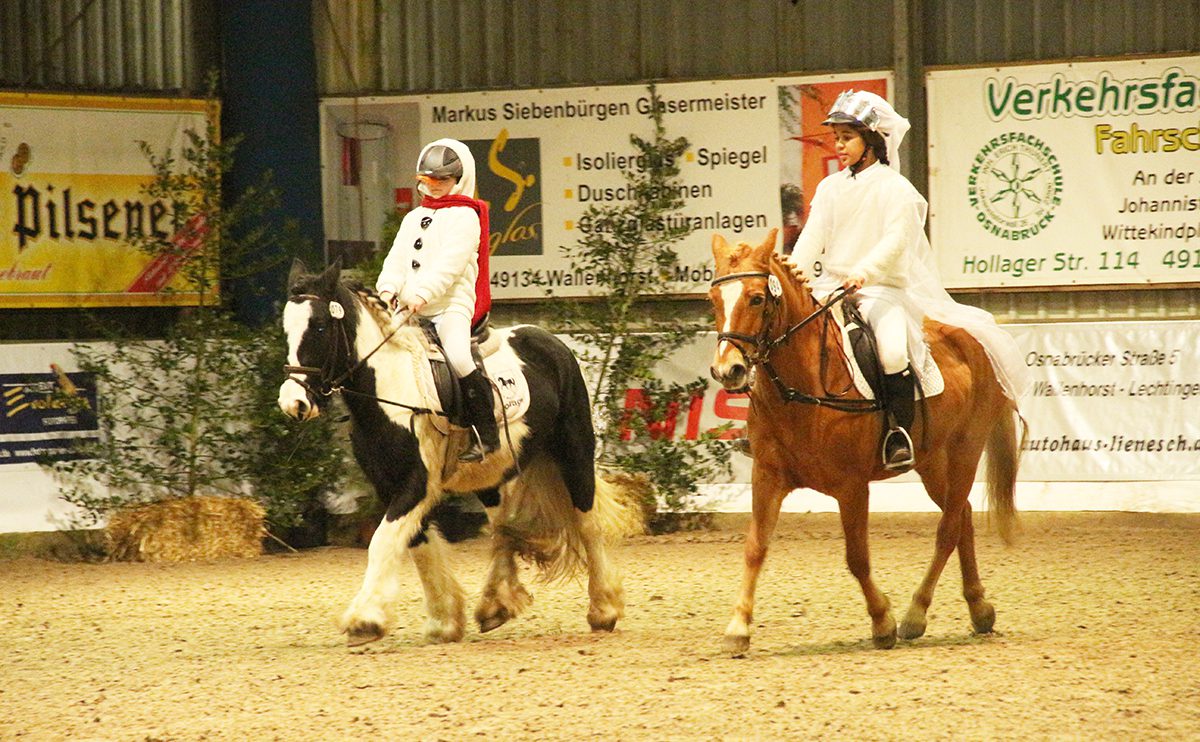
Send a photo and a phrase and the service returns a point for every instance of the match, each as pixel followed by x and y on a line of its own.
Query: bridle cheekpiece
pixel 753 347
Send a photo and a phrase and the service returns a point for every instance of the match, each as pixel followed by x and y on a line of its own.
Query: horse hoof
pixel 603 625
pixel 603 618
pixel 443 631
pixel 363 633
pixel 983 619
pixel 736 645
pixel 913 625
pixel 910 631
pixel 495 621
pixel 884 632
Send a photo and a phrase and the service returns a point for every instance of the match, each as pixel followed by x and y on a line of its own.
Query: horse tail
pixel 1003 459
pixel 618 510
pixel 542 526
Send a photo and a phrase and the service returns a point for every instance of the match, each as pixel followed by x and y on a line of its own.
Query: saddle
pixel 863 360
pixel 441 388
pixel 861 344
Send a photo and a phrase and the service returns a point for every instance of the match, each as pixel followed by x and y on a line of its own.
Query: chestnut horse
pixel 801 435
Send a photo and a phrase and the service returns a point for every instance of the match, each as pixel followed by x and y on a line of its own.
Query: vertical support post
pixel 908 65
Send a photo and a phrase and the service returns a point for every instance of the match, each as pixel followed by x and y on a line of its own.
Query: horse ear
pixel 719 245
pixel 298 270
pixel 328 281
pixel 767 247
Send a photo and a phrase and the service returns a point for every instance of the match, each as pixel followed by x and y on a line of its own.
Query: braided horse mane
pixel 381 313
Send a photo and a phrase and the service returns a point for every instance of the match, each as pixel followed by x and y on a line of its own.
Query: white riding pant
pixel 888 320
pixel 454 330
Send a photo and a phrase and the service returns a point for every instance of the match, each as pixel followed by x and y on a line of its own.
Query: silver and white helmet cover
pixel 873 112
pixel 439 161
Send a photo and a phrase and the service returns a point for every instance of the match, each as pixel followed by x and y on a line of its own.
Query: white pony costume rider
pixel 433 269
pixel 866 225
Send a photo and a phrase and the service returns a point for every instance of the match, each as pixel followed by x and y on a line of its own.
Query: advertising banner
pixel 1068 174
pixel 543 157
pixel 43 417
pixel 1114 424
pixel 1111 401
pixel 71 178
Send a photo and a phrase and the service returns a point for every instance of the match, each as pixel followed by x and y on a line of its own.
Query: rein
pixel 337 384
pixel 762 347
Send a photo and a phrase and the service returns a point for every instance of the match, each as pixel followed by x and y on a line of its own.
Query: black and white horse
pixel 542 496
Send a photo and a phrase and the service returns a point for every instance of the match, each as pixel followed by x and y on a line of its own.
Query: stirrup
pixel 902 464
pixel 476 450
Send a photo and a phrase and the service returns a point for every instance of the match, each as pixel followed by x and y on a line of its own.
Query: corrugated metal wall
pixel 159 46
pixel 374 46
pixel 419 45
pixel 967 32
pixel 406 46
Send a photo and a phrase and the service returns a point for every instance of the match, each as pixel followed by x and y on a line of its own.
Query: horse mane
pixel 369 298
pixel 407 338
pixel 796 276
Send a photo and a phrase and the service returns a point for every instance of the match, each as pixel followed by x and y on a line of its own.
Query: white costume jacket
pixel 870 223
pixel 435 254
pixel 874 224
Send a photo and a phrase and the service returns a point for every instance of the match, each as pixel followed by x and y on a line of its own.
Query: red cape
pixel 483 285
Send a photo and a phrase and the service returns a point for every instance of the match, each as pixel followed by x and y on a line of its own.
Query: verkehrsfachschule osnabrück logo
pixel 1014 185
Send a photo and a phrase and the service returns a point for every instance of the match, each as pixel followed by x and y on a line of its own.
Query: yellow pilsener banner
pixel 72 175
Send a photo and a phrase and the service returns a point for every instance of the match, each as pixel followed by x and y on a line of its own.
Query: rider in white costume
pixel 866 228
pixel 432 270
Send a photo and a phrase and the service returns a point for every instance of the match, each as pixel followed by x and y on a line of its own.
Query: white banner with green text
pixel 1067 174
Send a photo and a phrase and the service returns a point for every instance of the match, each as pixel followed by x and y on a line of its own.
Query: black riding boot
pixel 485 436
pixel 898 445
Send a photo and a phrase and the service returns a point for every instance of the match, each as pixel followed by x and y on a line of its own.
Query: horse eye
pixel 756 300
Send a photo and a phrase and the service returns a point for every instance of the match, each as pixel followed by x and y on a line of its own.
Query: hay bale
pixel 186 529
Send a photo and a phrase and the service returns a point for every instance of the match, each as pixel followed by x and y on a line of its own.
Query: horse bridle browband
pixel 760 353
pixel 756 342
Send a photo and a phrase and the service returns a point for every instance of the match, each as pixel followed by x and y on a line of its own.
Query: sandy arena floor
pixel 1096 621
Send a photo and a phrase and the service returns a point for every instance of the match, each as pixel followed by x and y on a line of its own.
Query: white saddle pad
pixel 928 373
pixel 502 367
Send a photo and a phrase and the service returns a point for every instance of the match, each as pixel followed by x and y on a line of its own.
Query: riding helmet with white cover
pixel 870 111
pixel 447 158
pixel 440 162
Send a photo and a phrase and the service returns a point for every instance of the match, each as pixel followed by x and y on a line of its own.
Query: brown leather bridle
pixel 759 353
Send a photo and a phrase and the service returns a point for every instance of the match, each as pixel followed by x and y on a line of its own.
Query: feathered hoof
pixel 736 645
pixel 913 625
pixel 442 632
pixel 606 621
pixel 910 631
pixel 492 620
pixel 364 632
